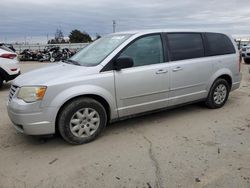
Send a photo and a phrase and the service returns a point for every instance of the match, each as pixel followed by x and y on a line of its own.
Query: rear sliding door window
pixel 185 46
pixel 219 44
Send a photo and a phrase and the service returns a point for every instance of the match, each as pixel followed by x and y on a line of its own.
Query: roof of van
pixel 148 31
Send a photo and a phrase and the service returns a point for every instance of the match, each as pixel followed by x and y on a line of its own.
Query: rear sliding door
pixel 190 70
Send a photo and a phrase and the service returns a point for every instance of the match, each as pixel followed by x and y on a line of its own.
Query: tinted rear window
pixel 185 46
pixel 219 44
pixel 5 48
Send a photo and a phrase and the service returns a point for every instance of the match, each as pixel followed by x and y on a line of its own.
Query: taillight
pixel 8 56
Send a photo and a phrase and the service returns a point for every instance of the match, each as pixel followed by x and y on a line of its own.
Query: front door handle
pixel 161 71
pixel 177 69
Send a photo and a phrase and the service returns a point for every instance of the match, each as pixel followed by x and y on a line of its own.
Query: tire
pixel 247 60
pixel 82 120
pixel 1 82
pixel 222 88
pixel 52 59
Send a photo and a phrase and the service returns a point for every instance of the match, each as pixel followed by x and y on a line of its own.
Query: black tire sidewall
pixel 67 113
pixel 247 60
pixel 210 101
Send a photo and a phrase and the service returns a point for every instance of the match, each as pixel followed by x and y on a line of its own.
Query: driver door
pixel 145 86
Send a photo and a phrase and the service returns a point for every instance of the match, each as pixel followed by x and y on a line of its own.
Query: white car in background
pixel 245 53
pixel 9 65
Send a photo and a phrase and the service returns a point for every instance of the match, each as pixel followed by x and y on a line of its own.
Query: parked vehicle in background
pixel 245 53
pixel 55 54
pixel 28 55
pixel 50 53
pixel 9 65
pixel 58 54
pixel 123 75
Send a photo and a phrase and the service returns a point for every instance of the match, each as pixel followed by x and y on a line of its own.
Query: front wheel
pixel 218 94
pixel 82 120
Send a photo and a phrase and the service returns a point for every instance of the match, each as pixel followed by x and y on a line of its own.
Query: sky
pixel 34 20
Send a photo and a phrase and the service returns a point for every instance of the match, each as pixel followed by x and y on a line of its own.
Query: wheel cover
pixel 220 94
pixel 84 122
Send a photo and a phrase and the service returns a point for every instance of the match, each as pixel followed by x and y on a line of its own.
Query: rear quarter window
pixel 219 44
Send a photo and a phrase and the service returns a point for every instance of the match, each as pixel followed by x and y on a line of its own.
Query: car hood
pixel 57 72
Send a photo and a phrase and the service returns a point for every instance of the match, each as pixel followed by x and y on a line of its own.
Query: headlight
pixel 31 94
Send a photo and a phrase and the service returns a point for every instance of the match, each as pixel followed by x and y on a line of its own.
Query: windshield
pixel 97 51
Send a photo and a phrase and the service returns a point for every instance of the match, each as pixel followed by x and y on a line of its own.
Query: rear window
pixel 5 48
pixel 219 44
pixel 185 46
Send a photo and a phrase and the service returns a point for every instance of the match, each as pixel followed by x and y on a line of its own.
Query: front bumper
pixel 13 76
pixel 29 118
pixel 9 75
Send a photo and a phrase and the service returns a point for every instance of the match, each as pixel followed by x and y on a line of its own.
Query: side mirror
pixel 123 62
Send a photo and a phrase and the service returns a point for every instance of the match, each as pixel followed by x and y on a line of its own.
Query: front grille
pixel 13 90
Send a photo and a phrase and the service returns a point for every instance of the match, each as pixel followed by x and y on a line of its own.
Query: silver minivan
pixel 122 75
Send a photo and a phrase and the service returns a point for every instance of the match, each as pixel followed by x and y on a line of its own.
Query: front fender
pixel 72 92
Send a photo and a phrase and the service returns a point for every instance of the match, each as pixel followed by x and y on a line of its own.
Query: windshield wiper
pixel 70 61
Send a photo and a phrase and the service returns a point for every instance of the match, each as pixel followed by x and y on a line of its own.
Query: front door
pixel 144 86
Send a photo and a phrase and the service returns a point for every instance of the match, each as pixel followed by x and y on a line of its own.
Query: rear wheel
pixel 82 120
pixel 218 94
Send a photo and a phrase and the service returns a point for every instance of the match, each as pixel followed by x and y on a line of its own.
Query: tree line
pixel 75 36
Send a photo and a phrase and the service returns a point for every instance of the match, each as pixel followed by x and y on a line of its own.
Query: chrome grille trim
pixel 12 92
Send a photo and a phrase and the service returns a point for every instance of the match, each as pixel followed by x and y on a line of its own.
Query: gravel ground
pixel 191 146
